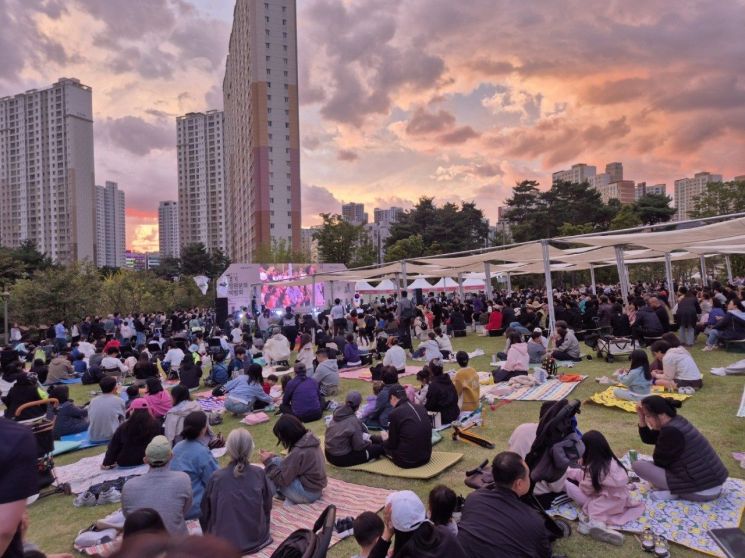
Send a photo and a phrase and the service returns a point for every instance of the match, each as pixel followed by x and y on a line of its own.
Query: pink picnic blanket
pixel 365 375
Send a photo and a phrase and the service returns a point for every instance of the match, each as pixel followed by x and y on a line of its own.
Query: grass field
pixel 55 522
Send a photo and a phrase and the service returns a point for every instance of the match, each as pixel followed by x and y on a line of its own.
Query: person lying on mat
pixel 347 440
pixel 326 373
pixel 71 419
pixel 302 397
pixel 379 417
pixel 127 447
pixel 567 346
pixel 637 378
pixel 301 476
pixel 405 520
pixel 192 456
pixel 684 465
pixel 518 360
pixel 409 442
pixel 496 522
pixel 466 381
pixel 442 396
pixel 167 492
pixel 678 367
pixel 237 503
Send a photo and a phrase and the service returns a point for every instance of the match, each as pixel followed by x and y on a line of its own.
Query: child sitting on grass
pixel 367 528
pixel 442 504
pixel 370 401
pixel 423 377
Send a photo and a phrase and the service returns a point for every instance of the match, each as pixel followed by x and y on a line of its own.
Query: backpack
pixel 407 310
pixel 309 543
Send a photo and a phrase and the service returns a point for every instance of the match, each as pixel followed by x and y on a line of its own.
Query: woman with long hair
pixel 157 398
pixel 127 447
pixel 601 487
pixel 182 406
pixel 637 378
pixel 237 501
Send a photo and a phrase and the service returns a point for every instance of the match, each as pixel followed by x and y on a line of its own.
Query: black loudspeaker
pixel 221 310
pixel 419 297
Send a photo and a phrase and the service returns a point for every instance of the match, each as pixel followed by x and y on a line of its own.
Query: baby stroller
pixel 43 429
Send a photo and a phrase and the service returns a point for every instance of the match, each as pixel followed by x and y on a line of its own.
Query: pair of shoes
pixel 686 390
pixel 709 348
pixel 84 499
pixel 648 540
pixel 601 532
pixel 604 380
pixel 109 496
pixel 661 548
pixel 662 495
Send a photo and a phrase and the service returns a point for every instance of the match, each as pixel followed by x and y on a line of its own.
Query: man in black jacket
pixel 647 323
pixel 409 442
pixel 495 522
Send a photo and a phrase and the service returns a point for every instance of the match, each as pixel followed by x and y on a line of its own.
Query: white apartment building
pixel 388 216
pixel 613 173
pixel 261 127
pixel 46 171
pixel 642 189
pixel 577 174
pixel 111 235
pixel 201 180
pixel 623 191
pixel 354 213
pixel 168 230
pixel 686 190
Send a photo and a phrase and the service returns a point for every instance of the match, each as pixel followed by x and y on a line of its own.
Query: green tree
pixel 720 198
pixel 279 251
pixel 169 268
pixel 196 260
pixel 365 253
pixel 339 241
pixel 570 229
pixel 654 208
pixel 625 219
pixel 406 248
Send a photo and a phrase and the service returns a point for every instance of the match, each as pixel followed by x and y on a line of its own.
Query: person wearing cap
pixel 496 522
pixel 167 492
pixel 405 520
pixel 409 442
pixel 127 447
pixel 347 439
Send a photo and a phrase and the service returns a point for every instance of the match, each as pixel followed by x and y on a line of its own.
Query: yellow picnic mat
pixel 440 461
pixel 607 399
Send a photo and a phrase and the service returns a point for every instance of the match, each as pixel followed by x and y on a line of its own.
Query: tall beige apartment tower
pixel 168 234
pixel 111 233
pixel 201 180
pixel 47 184
pixel 262 138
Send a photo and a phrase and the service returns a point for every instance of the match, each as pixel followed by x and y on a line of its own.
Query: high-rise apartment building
pixel 354 213
pixel 201 180
pixel 47 179
pixel 168 230
pixel 613 173
pixel 388 216
pixel 622 190
pixel 577 174
pixel 642 189
pixel 686 190
pixel 262 141
pixel 110 228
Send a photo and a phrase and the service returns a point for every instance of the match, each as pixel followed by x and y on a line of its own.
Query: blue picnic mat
pixel 83 439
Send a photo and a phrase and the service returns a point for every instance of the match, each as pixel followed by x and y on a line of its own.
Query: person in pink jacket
pixel 601 487
pixel 517 362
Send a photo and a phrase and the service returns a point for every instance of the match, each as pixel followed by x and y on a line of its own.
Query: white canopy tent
pixel 445 284
pixel 363 287
pixel 419 283
pixel 386 286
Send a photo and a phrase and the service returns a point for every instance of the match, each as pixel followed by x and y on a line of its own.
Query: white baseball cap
pixel 407 511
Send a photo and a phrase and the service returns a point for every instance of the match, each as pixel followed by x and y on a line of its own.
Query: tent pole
pixel 592 280
pixel 669 274
pixel 622 277
pixel 549 287
pixel 331 288
pixel 461 290
pixel 403 274
pixel 728 265
pixel 313 293
pixel 487 280
pixel 704 279
pixel 509 284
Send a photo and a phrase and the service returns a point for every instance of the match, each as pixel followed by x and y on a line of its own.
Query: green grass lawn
pixel 55 522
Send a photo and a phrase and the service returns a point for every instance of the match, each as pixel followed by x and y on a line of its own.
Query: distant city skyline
pixel 406 99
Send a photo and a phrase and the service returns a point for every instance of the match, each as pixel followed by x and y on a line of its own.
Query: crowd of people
pixel 143 422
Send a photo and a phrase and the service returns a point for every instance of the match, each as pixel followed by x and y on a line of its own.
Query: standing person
pixel 302 397
pixel 301 476
pixel 147 491
pixel 237 502
pixel 601 487
pixel 18 481
pixel 686 316
pixel 637 379
pixel 60 336
pixel 684 465
pixel 105 411
pixel 405 312
pixel 409 442
pixel 466 381
pixel 347 440
pixel 192 456
pixel 336 315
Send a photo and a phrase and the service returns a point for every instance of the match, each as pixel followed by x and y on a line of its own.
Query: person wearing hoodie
pixel 409 442
pixel 302 396
pixel 517 362
pixel 379 417
pixel 347 440
pixel 157 398
pixel 305 354
pixel 442 397
pixel 326 373
pixel 182 406
pixel 300 477
pixel 678 367
pixel 730 327
pixel 277 347
pixel 413 536
pixel 428 349
pixel 71 419
pixel 647 323
pixel 567 346
pixel 246 392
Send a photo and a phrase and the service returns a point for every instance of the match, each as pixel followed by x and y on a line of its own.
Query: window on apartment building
pixel 267 45
pixel 271 226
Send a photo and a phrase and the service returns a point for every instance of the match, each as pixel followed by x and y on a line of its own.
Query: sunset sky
pixel 401 99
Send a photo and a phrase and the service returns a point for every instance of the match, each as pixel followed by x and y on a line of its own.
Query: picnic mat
pixel 71 381
pixel 349 499
pixel 61 447
pixel 550 390
pixel 607 399
pixel 87 472
pixel 741 410
pixel 440 461
pixel 211 403
pixel 365 375
pixel 83 440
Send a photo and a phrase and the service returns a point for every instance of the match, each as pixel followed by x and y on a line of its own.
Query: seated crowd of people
pixel 165 428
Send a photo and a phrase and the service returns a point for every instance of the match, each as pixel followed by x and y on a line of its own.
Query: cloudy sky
pixel 401 99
